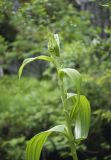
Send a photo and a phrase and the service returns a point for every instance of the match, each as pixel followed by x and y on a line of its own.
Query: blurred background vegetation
pixel 33 104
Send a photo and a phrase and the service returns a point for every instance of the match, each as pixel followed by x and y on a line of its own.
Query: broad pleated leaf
pixel 76 78
pixel 28 60
pixel 35 145
pixel 82 114
pixel 74 75
pixel 75 107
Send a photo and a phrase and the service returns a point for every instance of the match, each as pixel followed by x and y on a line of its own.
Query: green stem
pixel 67 117
pixel 68 121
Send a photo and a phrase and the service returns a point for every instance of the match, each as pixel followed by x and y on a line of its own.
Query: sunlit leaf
pixel 35 145
pixel 28 60
pixel 74 75
pixel 75 107
pixel 82 114
pixel 76 78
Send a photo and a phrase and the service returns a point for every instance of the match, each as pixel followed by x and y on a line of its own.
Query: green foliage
pixel 29 26
pixel 28 60
pixel 23 33
pixel 74 75
pixel 35 145
pixel 24 112
pixel 82 116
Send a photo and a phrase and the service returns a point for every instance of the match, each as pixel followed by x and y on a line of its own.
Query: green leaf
pixel 76 78
pixel 28 60
pixel 74 75
pixel 75 107
pixel 82 122
pixel 35 145
pixel 82 114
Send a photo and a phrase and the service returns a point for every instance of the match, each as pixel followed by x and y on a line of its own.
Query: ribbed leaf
pixel 76 78
pixel 74 75
pixel 75 107
pixel 82 114
pixel 28 60
pixel 35 145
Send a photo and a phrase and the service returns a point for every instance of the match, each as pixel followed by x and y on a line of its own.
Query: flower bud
pixel 54 45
